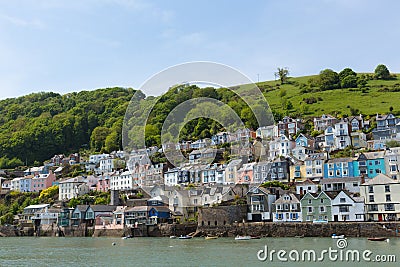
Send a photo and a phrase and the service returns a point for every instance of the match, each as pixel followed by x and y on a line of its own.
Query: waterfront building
pixel 287 209
pixel 346 207
pixel 339 168
pixel 259 201
pixel 382 198
pixel 317 207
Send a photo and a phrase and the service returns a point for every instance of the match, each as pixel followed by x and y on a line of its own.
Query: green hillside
pixel 37 126
pixel 377 96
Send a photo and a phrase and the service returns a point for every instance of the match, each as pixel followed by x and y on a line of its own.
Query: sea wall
pixel 8 230
pixel 270 229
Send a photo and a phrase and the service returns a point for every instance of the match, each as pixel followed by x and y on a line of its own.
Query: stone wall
pixel 177 229
pixel 269 229
pixel 221 215
pixel 8 230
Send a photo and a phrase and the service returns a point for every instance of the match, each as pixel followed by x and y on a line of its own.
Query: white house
pixel 342 135
pixel 287 209
pixel 347 208
pixel 121 181
pixel 72 188
pixel 106 165
pixel 306 186
pixel 231 171
pixel 96 158
pixel 350 184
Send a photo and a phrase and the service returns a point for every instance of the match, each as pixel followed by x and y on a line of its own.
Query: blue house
pixel 339 168
pixel 303 140
pixel 369 164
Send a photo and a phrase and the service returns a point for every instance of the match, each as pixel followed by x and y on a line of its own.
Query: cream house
pixel 382 198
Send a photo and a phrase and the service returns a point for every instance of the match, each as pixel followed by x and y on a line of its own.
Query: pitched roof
pixel 380 179
pixel 306 182
pixel 340 160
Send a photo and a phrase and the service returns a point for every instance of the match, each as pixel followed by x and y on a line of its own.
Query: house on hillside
pixel 259 202
pixel 347 208
pixel 317 207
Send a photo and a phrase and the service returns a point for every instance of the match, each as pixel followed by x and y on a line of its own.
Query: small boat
pixel 299 236
pixel 378 239
pixel 209 237
pixel 334 236
pixel 242 237
pixel 126 237
pixel 185 237
pixel 255 237
pixel 172 237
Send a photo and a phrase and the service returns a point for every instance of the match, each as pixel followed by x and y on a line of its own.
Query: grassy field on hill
pixel 376 97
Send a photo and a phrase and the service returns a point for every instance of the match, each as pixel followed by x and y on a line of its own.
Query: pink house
pixel 103 184
pixel 245 174
pixel 42 181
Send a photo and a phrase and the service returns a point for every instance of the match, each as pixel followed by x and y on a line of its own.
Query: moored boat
pixel 255 237
pixel 185 237
pixel 210 237
pixel 242 237
pixel 172 237
pixel 378 239
pixel 334 236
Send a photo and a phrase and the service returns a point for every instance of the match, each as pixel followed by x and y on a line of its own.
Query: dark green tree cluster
pixel 39 125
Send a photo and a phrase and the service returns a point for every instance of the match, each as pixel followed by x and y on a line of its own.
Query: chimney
pixel 362 178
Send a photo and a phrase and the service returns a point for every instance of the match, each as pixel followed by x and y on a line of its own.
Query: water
pixel 30 251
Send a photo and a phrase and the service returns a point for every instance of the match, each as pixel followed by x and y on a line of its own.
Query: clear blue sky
pixel 71 45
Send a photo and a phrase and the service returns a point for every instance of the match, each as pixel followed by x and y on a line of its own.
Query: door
pixel 335 218
pixel 380 217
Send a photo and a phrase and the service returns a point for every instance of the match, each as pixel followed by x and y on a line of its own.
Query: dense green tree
pixel 345 73
pixel 382 72
pixel 349 82
pixel 328 79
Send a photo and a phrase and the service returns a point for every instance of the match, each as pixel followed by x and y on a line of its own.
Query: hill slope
pixel 37 126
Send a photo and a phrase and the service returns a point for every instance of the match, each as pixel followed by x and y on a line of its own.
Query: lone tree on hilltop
pixel 282 73
pixel 382 72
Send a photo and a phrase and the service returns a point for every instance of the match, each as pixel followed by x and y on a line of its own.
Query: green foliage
pixel 328 79
pixel 6 163
pixel 349 82
pixel 73 202
pixel 392 143
pixel 382 72
pixel 283 74
pixel 39 125
pixel 346 72
pixel 275 184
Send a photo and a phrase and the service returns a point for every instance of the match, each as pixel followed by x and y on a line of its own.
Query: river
pixel 31 251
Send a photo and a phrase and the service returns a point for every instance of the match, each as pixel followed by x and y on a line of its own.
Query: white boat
pixel 334 236
pixel 185 237
pixel 242 237
pixel 210 237
pixel 172 237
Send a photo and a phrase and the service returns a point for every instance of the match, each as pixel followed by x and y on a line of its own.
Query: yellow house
pixel 297 172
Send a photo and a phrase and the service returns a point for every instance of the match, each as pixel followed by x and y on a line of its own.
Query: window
pixel 343 209
pixel 370 189
pixel 309 209
pixel 330 173
pixel 359 216
pixel 355 184
pixel 322 209
pixel 389 207
pixel 387 188
pixel 342 200
pixel 322 200
pixel 393 168
pixel 376 162
pixel 373 207
pixel 388 198
pixel 279 216
pixel 309 201
pixel 371 198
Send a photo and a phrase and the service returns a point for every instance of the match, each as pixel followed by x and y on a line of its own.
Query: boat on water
pixel 172 237
pixel 126 237
pixel 242 237
pixel 334 236
pixel 378 239
pixel 255 237
pixel 185 237
pixel 299 236
pixel 210 237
